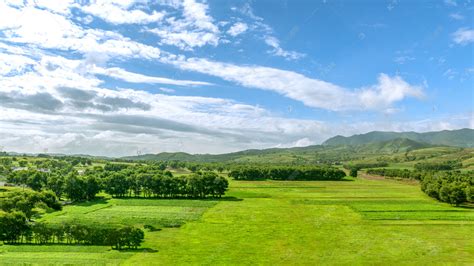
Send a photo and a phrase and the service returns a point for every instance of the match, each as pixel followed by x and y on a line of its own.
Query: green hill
pixel 308 155
pixel 459 138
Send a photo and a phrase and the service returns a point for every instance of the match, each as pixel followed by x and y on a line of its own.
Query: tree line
pixel 286 173
pixel 15 228
pixel 121 180
pixel 438 166
pixel 394 172
pixel 197 185
pixel 454 187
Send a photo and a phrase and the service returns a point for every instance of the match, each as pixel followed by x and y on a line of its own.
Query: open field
pixel 277 222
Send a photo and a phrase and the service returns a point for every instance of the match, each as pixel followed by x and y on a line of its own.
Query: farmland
pixel 275 222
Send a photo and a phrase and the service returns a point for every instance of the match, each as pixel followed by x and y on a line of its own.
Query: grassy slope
pixel 360 222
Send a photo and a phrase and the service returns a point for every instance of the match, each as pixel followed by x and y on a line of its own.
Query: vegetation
pixel 460 138
pixel 286 173
pixel 438 166
pixel 61 209
pixel 15 229
pixel 402 173
pixel 310 222
pixel 454 187
pixel 451 187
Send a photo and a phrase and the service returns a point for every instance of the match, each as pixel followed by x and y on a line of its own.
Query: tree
pixel 75 187
pixel 12 226
pixel 37 180
pixel 353 172
pixel 93 187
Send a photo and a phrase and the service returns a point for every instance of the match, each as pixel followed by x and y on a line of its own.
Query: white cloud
pixel 122 74
pixel 387 91
pixel 167 90
pixel 278 51
pixel 450 2
pixel 12 63
pixel 456 16
pixel 195 28
pixel 45 29
pixel 403 59
pixel 463 36
pixel 237 29
pixel 312 92
pixel 120 12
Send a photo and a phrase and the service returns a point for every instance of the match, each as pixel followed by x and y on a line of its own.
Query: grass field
pixel 277 222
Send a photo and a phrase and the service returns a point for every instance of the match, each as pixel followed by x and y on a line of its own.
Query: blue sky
pixel 135 76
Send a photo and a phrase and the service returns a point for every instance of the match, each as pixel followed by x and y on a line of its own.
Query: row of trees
pixel 15 228
pixel 438 166
pixel 74 186
pixel 453 187
pixel 395 172
pixel 122 180
pixel 165 185
pixel 286 173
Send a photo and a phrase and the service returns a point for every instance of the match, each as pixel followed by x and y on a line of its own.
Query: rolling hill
pixel 309 154
pixel 458 138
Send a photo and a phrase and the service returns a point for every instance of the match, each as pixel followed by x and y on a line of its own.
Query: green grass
pixel 138 212
pixel 381 222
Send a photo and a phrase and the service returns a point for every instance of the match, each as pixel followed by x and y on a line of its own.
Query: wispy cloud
pixel 456 16
pixel 450 2
pixel 278 51
pixel 124 75
pixel 463 36
pixel 121 12
pixel 312 92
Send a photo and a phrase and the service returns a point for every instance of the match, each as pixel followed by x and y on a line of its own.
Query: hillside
pixel 308 155
pixel 458 138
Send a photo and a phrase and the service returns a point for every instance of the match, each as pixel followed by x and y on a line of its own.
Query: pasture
pixel 276 222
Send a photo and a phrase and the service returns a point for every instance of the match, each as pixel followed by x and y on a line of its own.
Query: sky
pixel 127 77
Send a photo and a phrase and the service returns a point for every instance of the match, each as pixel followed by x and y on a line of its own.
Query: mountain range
pixel 337 148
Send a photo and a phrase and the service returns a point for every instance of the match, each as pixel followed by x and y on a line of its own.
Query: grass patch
pixel 277 222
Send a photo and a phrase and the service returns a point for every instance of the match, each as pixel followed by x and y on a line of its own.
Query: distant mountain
pixel 459 138
pixel 309 154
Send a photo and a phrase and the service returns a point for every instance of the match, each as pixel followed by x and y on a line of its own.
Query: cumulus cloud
pixel 237 29
pixel 46 29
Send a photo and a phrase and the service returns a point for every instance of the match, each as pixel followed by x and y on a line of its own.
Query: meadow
pixel 275 222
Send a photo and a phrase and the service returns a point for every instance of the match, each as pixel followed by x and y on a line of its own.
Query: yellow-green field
pixel 378 222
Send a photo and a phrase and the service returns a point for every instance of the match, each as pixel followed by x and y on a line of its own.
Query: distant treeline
pixel 286 173
pixel 121 180
pixel 438 166
pixel 402 173
pixel 15 228
pixel 197 185
pixel 453 187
